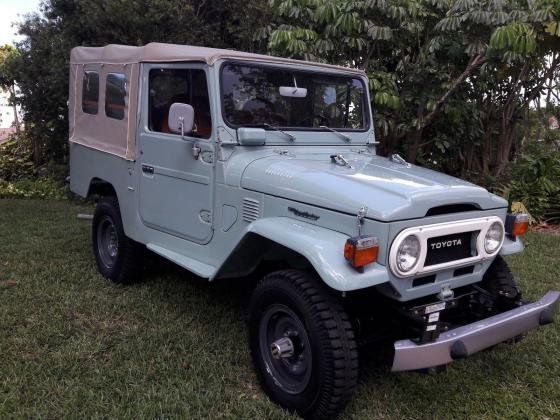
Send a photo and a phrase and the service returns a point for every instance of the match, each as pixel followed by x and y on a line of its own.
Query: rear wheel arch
pixel 101 187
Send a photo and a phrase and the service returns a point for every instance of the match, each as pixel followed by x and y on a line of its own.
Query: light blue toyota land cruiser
pixel 241 165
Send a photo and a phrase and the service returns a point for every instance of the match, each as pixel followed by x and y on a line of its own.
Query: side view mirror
pixel 249 136
pixel 181 118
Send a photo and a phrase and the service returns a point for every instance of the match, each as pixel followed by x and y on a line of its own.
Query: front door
pixel 176 179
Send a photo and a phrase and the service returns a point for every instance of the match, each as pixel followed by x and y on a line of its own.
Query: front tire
pixel 118 257
pixel 500 283
pixel 302 345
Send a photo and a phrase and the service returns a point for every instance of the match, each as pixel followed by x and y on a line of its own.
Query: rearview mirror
pixel 181 118
pixel 293 91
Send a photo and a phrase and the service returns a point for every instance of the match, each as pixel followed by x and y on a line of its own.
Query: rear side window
pixel 115 93
pixel 90 92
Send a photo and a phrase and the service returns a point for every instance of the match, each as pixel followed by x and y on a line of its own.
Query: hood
pixel 391 191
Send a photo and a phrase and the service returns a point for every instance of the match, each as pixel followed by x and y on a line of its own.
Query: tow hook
pixel 281 348
pixel 445 293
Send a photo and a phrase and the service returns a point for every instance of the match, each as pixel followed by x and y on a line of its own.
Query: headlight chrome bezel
pixel 423 233
pixel 400 252
pixel 498 241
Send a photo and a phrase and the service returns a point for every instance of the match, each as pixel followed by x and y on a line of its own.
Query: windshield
pixel 255 95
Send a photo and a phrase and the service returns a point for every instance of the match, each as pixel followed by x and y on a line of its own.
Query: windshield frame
pixel 303 69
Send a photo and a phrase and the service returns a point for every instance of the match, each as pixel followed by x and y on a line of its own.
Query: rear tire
pixel 118 257
pixel 317 376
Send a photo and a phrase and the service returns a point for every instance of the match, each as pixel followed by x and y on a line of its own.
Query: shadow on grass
pixel 406 394
pixel 171 280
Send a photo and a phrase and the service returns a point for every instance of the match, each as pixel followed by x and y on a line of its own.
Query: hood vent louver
pixel 451 208
pixel 251 209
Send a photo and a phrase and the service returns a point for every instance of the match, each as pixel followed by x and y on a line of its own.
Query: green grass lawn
pixel 72 344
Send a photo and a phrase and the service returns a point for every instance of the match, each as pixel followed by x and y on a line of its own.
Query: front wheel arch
pixel 319 247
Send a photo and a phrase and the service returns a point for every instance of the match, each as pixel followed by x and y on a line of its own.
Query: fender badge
pixel 303 214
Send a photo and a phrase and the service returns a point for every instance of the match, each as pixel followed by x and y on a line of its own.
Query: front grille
pixel 442 249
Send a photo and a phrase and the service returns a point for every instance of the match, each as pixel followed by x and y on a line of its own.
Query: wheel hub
pixel 283 347
pixel 286 349
pixel 107 242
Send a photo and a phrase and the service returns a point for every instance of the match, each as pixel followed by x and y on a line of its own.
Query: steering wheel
pixel 267 113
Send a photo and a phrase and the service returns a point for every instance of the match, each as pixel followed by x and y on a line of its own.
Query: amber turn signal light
pixel 361 250
pixel 517 224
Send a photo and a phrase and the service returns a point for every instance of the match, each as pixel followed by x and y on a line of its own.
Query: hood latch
pixel 396 158
pixel 340 160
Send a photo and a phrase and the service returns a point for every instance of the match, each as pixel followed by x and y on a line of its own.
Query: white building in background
pixel 7 120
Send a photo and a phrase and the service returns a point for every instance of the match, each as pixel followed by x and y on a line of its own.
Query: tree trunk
pixel 413 140
pixel 484 166
pixel 504 147
pixel 36 150
pixel 14 105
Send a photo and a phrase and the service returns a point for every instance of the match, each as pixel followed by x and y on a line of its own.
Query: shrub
pixel 20 178
pixel 37 188
pixel 535 181
pixel 15 158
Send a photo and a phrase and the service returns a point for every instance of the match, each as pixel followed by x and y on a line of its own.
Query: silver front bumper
pixel 468 339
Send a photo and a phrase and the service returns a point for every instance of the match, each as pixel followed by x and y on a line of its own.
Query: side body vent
pixel 251 209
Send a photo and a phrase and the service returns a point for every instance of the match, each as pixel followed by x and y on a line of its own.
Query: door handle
pixel 196 151
pixel 148 169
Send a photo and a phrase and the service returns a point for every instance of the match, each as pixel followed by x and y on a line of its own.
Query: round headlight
pixel 408 253
pixel 494 237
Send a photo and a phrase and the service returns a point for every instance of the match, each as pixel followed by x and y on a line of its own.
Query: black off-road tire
pixel 500 283
pixel 331 354
pixel 123 263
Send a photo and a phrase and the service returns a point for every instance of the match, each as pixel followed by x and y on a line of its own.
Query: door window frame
pixel 145 99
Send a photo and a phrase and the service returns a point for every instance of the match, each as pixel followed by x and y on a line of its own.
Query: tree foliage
pixel 42 71
pixel 449 78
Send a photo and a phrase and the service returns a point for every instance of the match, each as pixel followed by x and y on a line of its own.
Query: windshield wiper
pixel 291 136
pixel 271 127
pixel 344 136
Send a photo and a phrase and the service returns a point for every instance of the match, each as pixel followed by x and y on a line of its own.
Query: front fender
pixel 323 248
pixel 512 246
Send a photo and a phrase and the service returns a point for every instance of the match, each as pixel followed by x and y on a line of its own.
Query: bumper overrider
pixel 463 341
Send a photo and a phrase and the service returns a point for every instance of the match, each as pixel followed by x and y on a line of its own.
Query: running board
pixel 199 268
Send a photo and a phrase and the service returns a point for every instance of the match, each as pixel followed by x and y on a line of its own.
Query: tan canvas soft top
pixel 118 136
pixel 159 52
